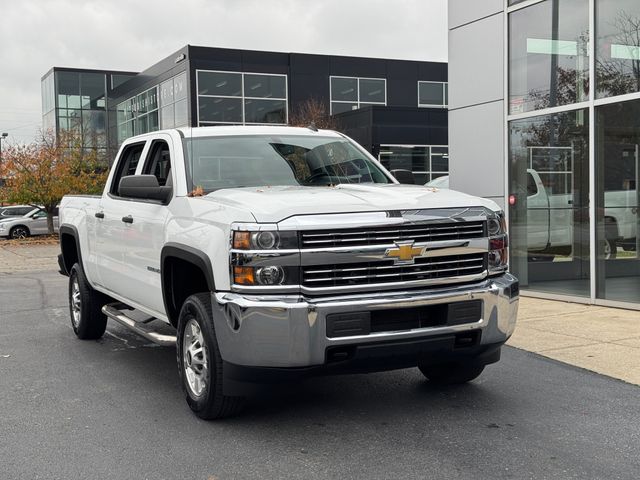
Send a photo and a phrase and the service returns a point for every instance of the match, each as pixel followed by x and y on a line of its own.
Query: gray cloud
pixel 133 35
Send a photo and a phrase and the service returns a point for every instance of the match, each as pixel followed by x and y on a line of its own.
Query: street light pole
pixel 2 137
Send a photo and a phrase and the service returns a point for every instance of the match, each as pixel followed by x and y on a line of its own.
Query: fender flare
pixel 66 229
pixel 189 254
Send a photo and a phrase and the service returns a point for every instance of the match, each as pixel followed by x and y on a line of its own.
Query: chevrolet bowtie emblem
pixel 404 252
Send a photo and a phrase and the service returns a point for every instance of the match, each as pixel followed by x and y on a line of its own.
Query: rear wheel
pixel 451 374
pixel 199 361
pixel 19 231
pixel 85 306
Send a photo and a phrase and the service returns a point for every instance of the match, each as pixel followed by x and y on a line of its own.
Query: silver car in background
pixel 33 223
pixel 15 211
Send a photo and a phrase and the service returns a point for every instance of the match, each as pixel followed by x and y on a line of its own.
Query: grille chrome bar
pixel 418 233
pixel 383 272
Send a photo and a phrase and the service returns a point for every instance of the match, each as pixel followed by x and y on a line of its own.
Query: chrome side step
pixel 114 313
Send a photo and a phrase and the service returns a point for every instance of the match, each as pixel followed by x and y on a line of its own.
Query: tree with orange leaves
pixel 41 173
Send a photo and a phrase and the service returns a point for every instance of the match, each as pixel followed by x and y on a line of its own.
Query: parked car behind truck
pixel 278 253
pixel 32 223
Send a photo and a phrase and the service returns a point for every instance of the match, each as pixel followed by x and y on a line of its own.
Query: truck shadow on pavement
pixel 385 395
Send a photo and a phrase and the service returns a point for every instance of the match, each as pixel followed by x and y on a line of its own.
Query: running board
pixel 140 328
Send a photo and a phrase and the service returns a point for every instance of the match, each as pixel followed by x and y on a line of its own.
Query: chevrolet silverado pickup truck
pixel 275 253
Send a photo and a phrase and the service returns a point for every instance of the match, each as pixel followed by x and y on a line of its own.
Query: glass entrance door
pixel 549 202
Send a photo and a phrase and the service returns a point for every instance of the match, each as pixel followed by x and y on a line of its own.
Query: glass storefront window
pixel 139 114
pixel 617 201
pixel 215 109
pixel 92 90
pixel 425 161
pixel 548 55
pixel 239 98
pixel 264 86
pixel 350 93
pixel 340 107
pixel 264 111
pixel 344 89
pixel 432 94
pixel 225 84
pixel 617 47
pixel 372 90
pixel 549 183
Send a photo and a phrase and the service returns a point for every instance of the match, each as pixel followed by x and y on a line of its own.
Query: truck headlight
pixel 264 240
pixel 259 276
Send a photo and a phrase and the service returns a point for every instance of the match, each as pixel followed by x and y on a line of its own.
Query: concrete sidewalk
pixel 601 339
pixel 604 340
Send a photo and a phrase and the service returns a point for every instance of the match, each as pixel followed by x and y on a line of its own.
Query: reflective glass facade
pixel 80 99
pixel 574 147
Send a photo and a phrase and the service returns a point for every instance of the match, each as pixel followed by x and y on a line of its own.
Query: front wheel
pixel 451 374
pixel 199 361
pixel 19 232
pixel 85 306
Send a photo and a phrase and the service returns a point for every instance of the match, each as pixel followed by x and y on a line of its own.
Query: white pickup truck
pixel 280 252
pixel 549 229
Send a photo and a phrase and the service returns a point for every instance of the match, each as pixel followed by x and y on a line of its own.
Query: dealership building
pixel 544 118
pixel 397 109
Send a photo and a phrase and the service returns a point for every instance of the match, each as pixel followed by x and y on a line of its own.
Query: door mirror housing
pixel 404 176
pixel 144 187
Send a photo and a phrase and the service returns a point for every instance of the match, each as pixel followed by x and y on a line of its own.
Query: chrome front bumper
pixel 290 331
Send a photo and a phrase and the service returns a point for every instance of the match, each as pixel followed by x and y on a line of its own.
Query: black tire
pixel 85 306
pixel 208 403
pixel 451 374
pixel 610 249
pixel 19 231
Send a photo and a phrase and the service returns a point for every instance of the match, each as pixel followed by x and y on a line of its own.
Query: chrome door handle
pixel 127 219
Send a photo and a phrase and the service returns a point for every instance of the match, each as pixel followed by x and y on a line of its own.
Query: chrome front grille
pixel 453 267
pixel 388 235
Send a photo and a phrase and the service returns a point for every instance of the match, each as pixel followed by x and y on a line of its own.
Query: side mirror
pixel 404 176
pixel 144 187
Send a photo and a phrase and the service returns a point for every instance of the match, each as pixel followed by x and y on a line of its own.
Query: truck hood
pixel 274 204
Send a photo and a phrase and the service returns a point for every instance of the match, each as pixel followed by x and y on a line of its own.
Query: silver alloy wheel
pixel 76 302
pixel 19 232
pixel 194 358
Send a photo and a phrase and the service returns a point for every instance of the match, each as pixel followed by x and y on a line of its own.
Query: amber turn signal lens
pixel 244 276
pixel 242 240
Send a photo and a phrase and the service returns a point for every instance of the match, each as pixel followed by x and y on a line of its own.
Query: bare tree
pixel 313 112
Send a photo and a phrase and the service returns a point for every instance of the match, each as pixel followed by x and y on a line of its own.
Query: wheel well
pixel 69 250
pixel 180 279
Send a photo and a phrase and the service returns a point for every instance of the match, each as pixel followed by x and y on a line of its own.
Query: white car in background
pixel 33 223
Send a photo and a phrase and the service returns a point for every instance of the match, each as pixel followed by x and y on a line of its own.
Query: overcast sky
pixel 36 35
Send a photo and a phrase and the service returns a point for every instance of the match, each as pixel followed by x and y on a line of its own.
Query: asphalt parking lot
pixel 113 409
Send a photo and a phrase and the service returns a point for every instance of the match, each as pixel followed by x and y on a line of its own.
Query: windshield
pixel 266 160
